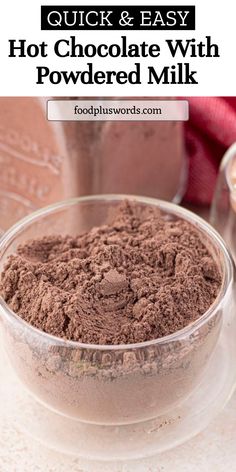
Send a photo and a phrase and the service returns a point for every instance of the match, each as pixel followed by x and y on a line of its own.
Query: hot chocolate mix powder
pixel 138 278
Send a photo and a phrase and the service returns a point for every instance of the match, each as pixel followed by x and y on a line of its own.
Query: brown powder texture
pixel 140 277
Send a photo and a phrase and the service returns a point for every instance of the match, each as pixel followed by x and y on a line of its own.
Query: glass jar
pixel 31 158
pixel 44 161
pixel 223 209
pixel 131 157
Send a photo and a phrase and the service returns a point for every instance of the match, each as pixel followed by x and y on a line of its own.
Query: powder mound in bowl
pixel 140 277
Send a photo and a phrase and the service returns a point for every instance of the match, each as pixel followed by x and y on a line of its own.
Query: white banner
pixel 127 62
pixel 117 110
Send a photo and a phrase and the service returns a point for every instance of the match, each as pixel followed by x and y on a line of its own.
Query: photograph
pixel 117 240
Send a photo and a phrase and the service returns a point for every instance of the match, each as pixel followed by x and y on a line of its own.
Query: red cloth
pixel 209 132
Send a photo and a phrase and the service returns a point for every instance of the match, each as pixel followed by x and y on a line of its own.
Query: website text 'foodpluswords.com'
pixel 117 110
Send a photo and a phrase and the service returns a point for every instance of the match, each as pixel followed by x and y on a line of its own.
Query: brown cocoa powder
pixel 138 278
pixel 112 384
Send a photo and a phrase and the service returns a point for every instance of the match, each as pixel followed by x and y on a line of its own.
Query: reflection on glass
pixel 223 210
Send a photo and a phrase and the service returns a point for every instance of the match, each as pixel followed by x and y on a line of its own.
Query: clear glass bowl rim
pixel 168 207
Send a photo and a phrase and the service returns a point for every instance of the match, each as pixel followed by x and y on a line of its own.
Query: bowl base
pixel 142 439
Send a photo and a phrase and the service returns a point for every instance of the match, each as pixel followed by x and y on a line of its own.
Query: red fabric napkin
pixel 209 132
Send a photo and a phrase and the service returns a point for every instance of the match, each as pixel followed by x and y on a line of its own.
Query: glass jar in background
pixel 132 157
pixel 31 158
pixel 223 209
pixel 43 162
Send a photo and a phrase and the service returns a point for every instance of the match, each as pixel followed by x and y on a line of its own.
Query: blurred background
pixel 42 161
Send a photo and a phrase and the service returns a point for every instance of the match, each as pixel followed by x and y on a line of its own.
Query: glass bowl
pixel 118 386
